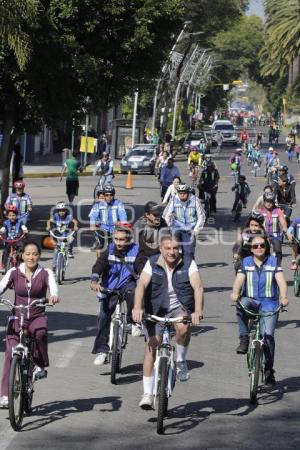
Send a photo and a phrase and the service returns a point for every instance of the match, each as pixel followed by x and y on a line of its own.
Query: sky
pixel 256 7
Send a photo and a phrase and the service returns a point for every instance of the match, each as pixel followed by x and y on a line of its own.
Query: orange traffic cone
pixel 129 180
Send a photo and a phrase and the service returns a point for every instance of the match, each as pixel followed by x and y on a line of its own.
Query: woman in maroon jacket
pixel 30 281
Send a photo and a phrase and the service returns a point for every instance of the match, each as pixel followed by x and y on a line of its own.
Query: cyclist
pixel 30 281
pixel 260 201
pixel 167 174
pixel 207 160
pixel 12 228
pixel 147 231
pixel 242 192
pixel 294 232
pixel 185 215
pixel 105 214
pixel 253 227
pixel 21 200
pixel 104 169
pixel 261 282
pixel 219 140
pixel 169 285
pixel 208 182
pixel 202 146
pixel 62 223
pixel 285 195
pixel 273 166
pixel 236 159
pixel 172 190
pixel 274 223
pixel 194 160
pixel 244 137
pixel 259 138
pixel 114 269
pixel 284 171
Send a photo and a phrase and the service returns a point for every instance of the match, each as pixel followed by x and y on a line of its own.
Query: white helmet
pixel 183 188
pixel 61 205
pixel 271 149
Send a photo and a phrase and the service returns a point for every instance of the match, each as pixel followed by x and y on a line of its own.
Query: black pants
pixel 277 248
pixel 107 308
pixel 237 198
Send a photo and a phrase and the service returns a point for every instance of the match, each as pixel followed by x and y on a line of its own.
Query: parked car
pixel 228 132
pixel 193 138
pixel 140 158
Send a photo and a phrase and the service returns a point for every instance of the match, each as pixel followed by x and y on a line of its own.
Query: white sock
pixel 148 385
pixel 181 352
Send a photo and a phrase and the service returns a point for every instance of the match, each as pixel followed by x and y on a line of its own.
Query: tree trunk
pixel 290 79
pixel 296 63
pixel 5 157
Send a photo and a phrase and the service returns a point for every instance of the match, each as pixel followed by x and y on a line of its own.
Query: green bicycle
pixel 255 354
pixel 297 273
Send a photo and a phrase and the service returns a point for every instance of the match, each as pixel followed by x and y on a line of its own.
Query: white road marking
pixel 68 353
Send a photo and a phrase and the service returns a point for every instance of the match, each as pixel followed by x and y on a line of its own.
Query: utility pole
pixel 136 96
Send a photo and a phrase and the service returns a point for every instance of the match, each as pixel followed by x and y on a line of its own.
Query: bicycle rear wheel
pixel 16 393
pixel 162 394
pixel 59 268
pixel 254 373
pixel 115 354
pixel 296 283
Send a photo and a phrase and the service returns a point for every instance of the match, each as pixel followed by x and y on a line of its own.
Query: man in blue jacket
pixel 169 286
pixel 105 214
pixel 114 270
pixel 167 175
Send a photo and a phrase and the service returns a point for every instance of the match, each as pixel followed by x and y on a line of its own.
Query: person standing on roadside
pixel 72 167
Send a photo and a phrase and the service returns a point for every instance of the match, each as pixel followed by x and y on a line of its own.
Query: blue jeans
pixel 267 328
pixel 187 241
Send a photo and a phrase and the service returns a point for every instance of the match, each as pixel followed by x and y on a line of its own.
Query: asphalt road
pixel 78 408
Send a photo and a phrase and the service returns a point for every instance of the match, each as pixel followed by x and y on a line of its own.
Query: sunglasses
pixel 256 246
pixel 108 195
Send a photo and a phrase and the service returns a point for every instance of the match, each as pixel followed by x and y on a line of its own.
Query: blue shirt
pixel 106 215
pixel 168 174
pixel 294 229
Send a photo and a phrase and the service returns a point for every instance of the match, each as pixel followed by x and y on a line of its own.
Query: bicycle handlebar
pixel 41 302
pixel 62 238
pixel 12 241
pixel 157 319
pixel 261 314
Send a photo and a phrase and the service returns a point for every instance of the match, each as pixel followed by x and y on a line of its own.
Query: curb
pixel 86 173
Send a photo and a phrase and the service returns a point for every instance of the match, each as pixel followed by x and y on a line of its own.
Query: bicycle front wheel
pixel 60 268
pixel 115 354
pixel 28 387
pixel 254 373
pixel 162 393
pixel 16 393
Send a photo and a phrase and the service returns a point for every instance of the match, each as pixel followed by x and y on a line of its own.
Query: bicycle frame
pixel 119 316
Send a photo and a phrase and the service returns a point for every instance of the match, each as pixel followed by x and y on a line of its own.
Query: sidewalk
pixel 50 166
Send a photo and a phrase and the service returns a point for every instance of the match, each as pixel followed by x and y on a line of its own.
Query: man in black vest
pixel 170 286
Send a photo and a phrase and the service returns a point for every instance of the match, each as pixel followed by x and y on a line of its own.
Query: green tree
pixel 82 48
pixel 15 15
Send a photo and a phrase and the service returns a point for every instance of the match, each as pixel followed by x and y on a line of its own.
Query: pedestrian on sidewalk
pixel 72 167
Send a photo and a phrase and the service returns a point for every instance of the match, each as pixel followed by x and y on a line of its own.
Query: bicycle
pixel 21 378
pixel 13 258
pixel 100 184
pixel 194 175
pixel 164 367
pixel 207 200
pixel 118 335
pixel 255 354
pixel 296 279
pixel 62 246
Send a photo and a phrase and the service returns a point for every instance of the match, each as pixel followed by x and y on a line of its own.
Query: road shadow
pixel 58 410
pixel 218 289
pixel 212 264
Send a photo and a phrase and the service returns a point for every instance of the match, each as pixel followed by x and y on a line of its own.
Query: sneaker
pixel 70 255
pixel 100 359
pixel 269 377
pixel 136 330
pixel 182 372
pixel 39 373
pixel 4 401
pixel 243 346
pixel 293 265
pixel 146 402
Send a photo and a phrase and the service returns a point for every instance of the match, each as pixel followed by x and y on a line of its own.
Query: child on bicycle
pixel 242 191
pixel 12 229
pixel 21 200
pixel 62 223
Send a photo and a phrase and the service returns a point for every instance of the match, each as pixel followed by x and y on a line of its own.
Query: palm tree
pixel 14 14
pixel 282 39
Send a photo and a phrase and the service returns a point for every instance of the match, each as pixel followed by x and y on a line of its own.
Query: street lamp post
pixel 136 96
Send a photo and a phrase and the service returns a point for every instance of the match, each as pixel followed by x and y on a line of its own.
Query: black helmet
pixel 242 177
pixel 254 215
pixel 109 189
pixel 269 197
pixel 284 168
